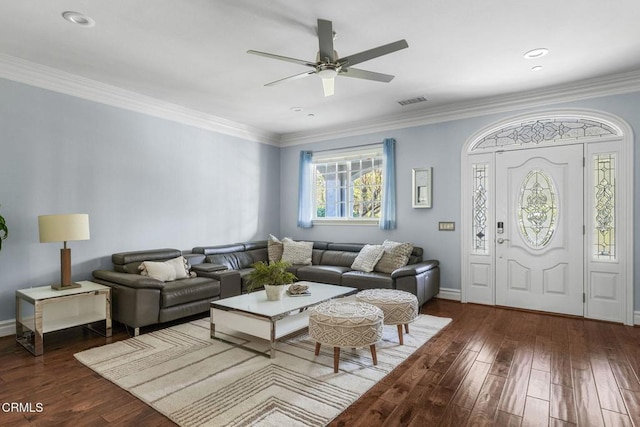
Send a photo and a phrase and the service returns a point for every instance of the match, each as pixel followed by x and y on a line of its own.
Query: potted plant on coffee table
pixel 4 231
pixel 272 276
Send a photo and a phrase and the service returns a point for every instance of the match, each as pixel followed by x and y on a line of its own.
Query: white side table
pixel 42 309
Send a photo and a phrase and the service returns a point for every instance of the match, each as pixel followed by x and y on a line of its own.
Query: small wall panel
pixel 555 280
pixel 519 276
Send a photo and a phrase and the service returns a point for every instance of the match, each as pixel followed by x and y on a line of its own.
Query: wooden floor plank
pixel 462 376
pixel 542 354
pixel 536 412
pixel 504 357
pixel 485 408
pixel 632 400
pixel 608 391
pixel 586 399
pixel 562 404
pixel 468 391
pixel 561 365
pixel 515 389
pixel 539 384
pixel 615 419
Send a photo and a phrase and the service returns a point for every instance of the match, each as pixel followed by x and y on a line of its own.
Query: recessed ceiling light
pixel 296 109
pixel 79 19
pixel 536 68
pixel 536 53
pixel 311 115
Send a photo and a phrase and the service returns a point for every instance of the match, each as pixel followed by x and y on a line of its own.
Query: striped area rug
pixel 196 381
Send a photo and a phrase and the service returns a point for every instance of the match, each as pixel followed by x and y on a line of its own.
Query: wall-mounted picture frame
pixel 421 186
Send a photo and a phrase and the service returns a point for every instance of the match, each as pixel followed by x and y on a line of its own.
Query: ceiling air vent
pixel 412 101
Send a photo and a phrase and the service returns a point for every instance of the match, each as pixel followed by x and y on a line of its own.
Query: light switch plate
pixel 446 226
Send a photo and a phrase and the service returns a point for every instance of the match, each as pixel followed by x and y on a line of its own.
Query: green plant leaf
pixel 274 273
pixel 4 231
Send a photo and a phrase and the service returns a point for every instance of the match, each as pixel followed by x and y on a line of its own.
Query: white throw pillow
pixel 160 271
pixel 165 271
pixel 297 252
pixel 180 265
pixel 395 255
pixel 367 258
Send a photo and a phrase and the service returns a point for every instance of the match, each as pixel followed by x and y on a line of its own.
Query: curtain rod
pixel 347 148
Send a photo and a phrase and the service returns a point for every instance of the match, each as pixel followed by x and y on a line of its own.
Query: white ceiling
pixel 193 53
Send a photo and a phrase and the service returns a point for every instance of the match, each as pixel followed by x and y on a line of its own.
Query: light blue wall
pixel 150 183
pixel 145 183
pixel 439 146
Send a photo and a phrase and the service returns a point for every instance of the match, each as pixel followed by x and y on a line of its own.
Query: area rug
pixel 196 381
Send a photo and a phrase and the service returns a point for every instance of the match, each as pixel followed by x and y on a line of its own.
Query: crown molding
pixel 30 73
pixel 585 89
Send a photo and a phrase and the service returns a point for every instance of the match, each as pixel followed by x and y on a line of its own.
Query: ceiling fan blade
pixel 328 86
pixel 295 77
pixel 325 40
pixel 364 74
pixel 373 53
pixel 282 58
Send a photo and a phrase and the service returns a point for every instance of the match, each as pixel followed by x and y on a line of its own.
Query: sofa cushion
pixel 395 255
pixel 236 260
pixel 297 252
pixel 274 248
pixel 367 258
pixel 188 290
pixel 331 274
pixel 128 262
pixel 362 280
pixel 158 270
pixel 166 271
pixel 256 255
pixel 244 278
pixel 341 258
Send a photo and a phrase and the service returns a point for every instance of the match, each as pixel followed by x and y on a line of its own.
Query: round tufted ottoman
pixel 399 307
pixel 345 324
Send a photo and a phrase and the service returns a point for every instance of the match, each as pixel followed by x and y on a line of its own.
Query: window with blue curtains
pixel 388 208
pixel 388 215
pixel 305 190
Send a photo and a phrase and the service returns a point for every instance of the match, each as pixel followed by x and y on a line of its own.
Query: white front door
pixel 539 230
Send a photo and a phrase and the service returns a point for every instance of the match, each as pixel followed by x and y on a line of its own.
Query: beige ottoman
pixel 399 307
pixel 345 324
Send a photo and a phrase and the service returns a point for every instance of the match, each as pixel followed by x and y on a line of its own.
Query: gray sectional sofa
pixel 222 271
pixel 331 263
pixel 138 300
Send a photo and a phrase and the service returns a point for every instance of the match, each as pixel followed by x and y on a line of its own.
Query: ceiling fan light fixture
pixel 78 19
pixel 327 73
pixel 536 53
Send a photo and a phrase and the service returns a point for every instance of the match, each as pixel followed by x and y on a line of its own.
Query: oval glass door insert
pixel 537 209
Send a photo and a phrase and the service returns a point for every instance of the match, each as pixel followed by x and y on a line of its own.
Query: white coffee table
pixel 253 315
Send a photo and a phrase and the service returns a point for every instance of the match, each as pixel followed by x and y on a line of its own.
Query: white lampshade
pixel 63 228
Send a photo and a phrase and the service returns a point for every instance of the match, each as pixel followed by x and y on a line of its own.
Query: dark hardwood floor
pixel 490 366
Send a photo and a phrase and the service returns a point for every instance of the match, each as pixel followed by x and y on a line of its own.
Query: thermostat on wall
pixel 446 226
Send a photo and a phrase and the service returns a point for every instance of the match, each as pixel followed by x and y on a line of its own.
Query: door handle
pixel 501 240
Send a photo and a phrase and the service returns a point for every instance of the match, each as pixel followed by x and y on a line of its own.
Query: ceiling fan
pixel 328 65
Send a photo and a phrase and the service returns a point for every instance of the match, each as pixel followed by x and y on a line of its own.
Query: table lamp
pixel 64 228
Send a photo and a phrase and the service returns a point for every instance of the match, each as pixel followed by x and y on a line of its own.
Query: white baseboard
pixel 448 293
pixel 7 327
pixel 636 317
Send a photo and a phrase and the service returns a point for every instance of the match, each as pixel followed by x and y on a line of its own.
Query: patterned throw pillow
pixel 297 252
pixel 395 255
pixel 166 271
pixel 367 258
pixel 274 248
